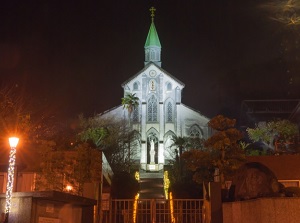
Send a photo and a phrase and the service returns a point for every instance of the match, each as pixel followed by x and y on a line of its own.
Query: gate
pixel 158 211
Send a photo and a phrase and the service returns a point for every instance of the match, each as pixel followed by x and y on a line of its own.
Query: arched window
pixel 195 132
pixel 136 86
pixel 135 114
pixel 169 112
pixel 152 109
pixel 169 86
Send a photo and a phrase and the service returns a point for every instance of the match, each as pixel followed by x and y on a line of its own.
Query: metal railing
pixel 155 210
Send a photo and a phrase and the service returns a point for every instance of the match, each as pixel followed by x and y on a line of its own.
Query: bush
pixel 292 191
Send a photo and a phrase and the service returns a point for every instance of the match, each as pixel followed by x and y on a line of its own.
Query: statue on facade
pixel 152 151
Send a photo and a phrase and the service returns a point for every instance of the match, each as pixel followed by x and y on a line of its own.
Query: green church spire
pixel 152 38
pixel 152 45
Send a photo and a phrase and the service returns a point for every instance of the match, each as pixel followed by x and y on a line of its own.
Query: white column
pixel 143 158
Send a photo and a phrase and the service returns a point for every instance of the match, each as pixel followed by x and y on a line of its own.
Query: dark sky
pixel 74 55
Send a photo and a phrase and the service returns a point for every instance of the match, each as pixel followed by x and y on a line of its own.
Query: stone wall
pixel 263 210
pixel 49 207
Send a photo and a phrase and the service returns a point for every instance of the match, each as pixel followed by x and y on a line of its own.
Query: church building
pixel 160 114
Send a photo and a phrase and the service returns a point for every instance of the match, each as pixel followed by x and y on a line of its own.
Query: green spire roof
pixel 152 38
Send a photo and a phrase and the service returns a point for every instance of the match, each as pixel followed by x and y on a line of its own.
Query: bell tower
pixel 152 45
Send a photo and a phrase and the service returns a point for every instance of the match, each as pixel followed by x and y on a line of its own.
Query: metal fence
pixel 158 211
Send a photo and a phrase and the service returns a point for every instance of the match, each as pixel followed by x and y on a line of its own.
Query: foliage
pixel 124 186
pixel 129 102
pixel 95 135
pixel 178 171
pixel 222 151
pixel 200 163
pixel 280 134
pixel 14 116
pixel 181 178
pixel 180 143
pixel 87 166
pixel 61 168
pixel 225 143
pixel 113 137
pixel 52 167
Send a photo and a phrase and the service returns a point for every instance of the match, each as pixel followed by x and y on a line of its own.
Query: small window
pixel 136 86
pixel 169 86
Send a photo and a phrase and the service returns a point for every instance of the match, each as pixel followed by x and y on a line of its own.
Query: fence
pixel 158 211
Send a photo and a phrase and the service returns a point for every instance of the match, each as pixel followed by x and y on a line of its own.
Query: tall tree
pixel 225 142
pixel 130 102
pixel 180 143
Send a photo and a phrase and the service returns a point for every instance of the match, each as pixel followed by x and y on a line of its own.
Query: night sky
pixel 74 55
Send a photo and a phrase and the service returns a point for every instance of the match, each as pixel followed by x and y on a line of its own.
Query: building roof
pixel 152 38
pixel 145 68
pixel 254 111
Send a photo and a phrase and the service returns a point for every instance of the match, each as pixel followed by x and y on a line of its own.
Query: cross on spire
pixel 152 10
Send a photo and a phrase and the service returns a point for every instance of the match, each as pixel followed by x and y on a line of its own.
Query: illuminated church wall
pixel 159 116
pixel 160 113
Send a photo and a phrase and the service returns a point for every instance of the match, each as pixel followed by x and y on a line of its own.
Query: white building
pixel 161 113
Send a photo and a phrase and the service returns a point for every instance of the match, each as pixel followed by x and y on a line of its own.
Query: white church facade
pixel 160 114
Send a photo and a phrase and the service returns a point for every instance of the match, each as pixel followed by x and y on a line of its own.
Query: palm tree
pixel 130 102
pixel 180 143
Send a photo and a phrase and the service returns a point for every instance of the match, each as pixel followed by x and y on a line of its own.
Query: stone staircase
pixel 151 185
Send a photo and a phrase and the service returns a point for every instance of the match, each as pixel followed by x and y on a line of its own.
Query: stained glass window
pixel 135 114
pixel 152 109
pixel 169 112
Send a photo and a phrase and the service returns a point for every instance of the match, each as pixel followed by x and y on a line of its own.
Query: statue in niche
pixel 152 152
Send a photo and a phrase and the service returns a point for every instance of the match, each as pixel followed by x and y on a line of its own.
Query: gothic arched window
pixel 152 109
pixel 136 86
pixel 169 86
pixel 135 114
pixel 169 112
pixel 195 132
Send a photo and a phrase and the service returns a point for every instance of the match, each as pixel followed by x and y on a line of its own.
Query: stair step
pixel 151 185
pixel 151 175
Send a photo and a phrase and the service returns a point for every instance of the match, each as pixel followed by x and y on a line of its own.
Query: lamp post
pixel 13 142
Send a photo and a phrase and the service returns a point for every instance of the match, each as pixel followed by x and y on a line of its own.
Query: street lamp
pixel 13 142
